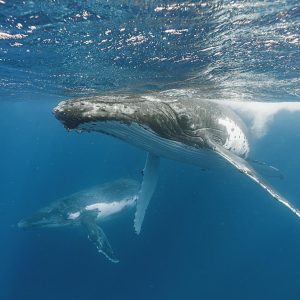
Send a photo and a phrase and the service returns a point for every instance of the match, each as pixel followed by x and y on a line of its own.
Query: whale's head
pixel 46 217
pixel 84 112
pixel 151 123
pixel 134 118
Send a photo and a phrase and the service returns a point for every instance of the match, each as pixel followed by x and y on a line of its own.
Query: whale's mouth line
pixel 91 126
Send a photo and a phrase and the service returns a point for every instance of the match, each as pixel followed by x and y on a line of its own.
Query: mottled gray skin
pixel 189 122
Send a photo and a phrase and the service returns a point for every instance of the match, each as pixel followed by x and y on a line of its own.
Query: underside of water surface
pixel 223 49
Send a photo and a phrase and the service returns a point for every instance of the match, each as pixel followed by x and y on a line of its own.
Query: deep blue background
pixel 207 234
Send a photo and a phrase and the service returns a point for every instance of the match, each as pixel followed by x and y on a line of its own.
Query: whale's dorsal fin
pixel 246 169
pixel 98 237
pixel 150 176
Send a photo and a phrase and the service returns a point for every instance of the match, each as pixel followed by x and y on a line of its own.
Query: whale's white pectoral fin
pixel 150 176
pixel 98 237
pixel 245 168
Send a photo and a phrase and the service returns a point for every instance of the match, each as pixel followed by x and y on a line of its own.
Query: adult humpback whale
pixel 87 208
pixel 189 130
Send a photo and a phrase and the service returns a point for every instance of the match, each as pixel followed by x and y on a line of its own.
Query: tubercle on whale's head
pixel 68 113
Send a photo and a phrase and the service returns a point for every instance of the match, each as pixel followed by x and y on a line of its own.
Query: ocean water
pixel 209 234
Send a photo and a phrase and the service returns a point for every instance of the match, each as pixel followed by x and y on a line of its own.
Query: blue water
pixel 207 234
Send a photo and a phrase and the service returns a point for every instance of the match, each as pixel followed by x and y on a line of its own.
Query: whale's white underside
pixel 104 210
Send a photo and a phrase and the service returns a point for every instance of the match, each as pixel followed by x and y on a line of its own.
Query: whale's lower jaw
pixel 144 138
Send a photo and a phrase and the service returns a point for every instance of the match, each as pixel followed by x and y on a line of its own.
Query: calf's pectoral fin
pixel 245 168
pixel 97 236
pixel 150 176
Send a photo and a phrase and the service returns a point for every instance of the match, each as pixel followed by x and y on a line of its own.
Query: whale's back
pixel 116 191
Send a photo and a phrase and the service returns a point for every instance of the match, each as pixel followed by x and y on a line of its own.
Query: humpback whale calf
pixel 189 130
pixel 87 208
